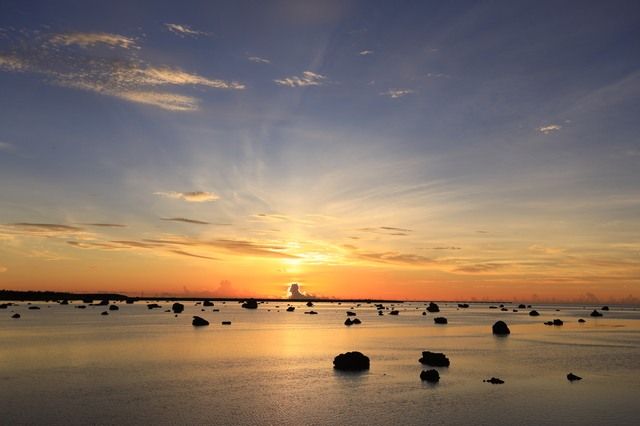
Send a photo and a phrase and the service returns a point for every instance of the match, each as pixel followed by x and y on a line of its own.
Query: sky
pixel 362 149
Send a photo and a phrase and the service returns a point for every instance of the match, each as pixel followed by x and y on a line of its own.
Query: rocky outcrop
pixel 581 320
pixel 463 305
pixel 431 376
pixel 595 313
pixel 250 304
pixel 351 314
pixel 351 361
pixel 199 322
pixel 494 381
pixel 291 309
pixel 153 306
pixel 16 316
pixel 394 312
pixel 572 377
pixel 207 303
pixel 226 322
pixel 433 307
pixel 440 320
pixel 177 308
pixel 434 359
pixel 558 322
pixel 534 313
pixel 113 308
pixel 500 328
pixel 309 304
pixel 605 308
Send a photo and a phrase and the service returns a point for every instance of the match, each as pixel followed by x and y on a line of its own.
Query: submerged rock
pixel 226 322
pixel 494 381
pixel 534 313
pixel 394 312
pixel 571 377
pixel 548 323
pixel 177 308
pixel 250 304
pixel 34 308
pixel 16 316
pixel 433 307
pixel 199 322
pixel 311 313
pixel 440 320
pixel 105 313
pixel 500 328
pixel 81 307
pixel 581 320
pixel 595 313
pixel 153 306
pixel 351 361
pixel 431 376
pixel 434 359
pixel 605 308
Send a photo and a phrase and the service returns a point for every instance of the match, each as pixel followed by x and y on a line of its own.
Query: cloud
pixel 259 60
pixel 549 128
pixel 6 147
pixel 397 93
pixel 184 253
pixel 479 268
pixel 446 248
pixel 40 229
pixel 106 225
pixel 387 230
pixel 294 292
pixel 124 75
pixel 395 257
pixel 366 52
pixel 244 247
pixel 94 245
pixel 91 39
pixel 308 79
pixel 437 75
pixel 185 30
pixel 185 220
pixel 193 196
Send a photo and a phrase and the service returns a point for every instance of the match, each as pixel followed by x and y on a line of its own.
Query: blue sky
pixel 505 131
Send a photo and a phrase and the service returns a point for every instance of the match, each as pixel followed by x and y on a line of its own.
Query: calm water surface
pixel 61 365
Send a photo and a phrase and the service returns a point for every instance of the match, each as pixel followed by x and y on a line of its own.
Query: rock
pixel 309 304
pixel 424 314
pixel 380 313
pixel 521 306
pixel 356 321
pixel 433 307
pixel 394 312
pixel 351 361
pixel 494 380
pixel 250 304
pixel 571 377
pixel 493 307
pixel 351 314
pixel 81 307
pixel 4 305
pixel 64 302
pixel 548 323
pixel 558 322
pixel 113 308
pixel 534 314
pixel 226 322
pixel 130 301
pixel 348 322
pixel 291 309
pixel 207 303
pixel 515 310
pixel 440 320
pixel 581 320
pixel 103 302
pixel 434 359
pixel 105 313
pixel 463 305
pixel 16 316
pixel 215 310
pixel 431 376
pixel 504 309
pixel 500 328
pixel 199 322
pixel 153 306
pixel 311 313
pixel 177 308
pixel 605 308
pixel 34 308
pixel 595 313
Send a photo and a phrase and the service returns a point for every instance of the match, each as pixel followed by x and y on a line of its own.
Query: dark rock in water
pixel 515 310
pixel 215 310
pixel 291 309
pixel 581 320
pixel 351 361
pixel 595 313
pixel 440 320
pixel 153 306
pixel 605 308
pixel 16 316
pixel 226 322
pixel 528 306
pixel 351 314
pixel 504 309
pixel 250 304
pixel 463 305
pixel 433 307
pixel 500 328
pixel 34 308
pixel 502 306
pixel 534 314
pixel 558 322
pixel 493 307
pixel 424 313
pixel 81 307
pixel 521 306
pixel 4 305
pixel 356 321
pixel 113 308
pixel 348 322
pixel 103 302
pixel 177 308
pixel 309 304
pixel 64 302
pixel 311 313
pixel 199 322
pixel 494 380
pixel 207 303
pixel 130 301
pixel 548 323
pixel 87 301
pixel 571 377
pixel 105 313
pixel 394 312
pixel 434 359
pixel 431 376
pixel 380 313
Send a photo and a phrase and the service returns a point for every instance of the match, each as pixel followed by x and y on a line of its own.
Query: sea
pixel 60 365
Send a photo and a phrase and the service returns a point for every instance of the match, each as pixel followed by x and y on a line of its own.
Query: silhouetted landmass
pixel 47 296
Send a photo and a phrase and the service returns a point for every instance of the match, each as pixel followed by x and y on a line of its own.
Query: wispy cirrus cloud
pixel 259 60
pixel 308 78
pixel 182 30
pixel 397 93
pixel 387 230
pixel 92 39
pixel 394 258
pixel 550 128
pixel 190 196
pixel 40 229
pixel 366 52
pixel 125 76
pixel 106 225
pixel 185 220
